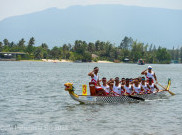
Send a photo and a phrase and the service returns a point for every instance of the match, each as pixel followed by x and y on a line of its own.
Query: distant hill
pixel 97 22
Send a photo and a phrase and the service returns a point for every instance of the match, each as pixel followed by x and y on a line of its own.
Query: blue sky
pixel 10 8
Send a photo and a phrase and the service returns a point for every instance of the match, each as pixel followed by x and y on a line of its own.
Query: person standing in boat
pixel 94 75
pixel 145 86
pixel 128 87
pixel 149 74
pixel 137 87
pixel 152 86
pixel 105 86
pixel 95 79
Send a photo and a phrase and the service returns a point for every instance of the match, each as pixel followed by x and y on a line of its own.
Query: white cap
pixel 149 67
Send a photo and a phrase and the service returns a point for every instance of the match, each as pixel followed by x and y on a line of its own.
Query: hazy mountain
pixel 98 22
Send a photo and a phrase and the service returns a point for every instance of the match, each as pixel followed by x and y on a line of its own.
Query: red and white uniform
pixel 122 91
pixel 117 90
pixel 150 75
pixel 128 89
pixel 146 89
pixel 152 87
pixel 137 89
pixel 95 79
pixel 106 88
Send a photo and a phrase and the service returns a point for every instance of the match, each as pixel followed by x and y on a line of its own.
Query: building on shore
pixel 11 56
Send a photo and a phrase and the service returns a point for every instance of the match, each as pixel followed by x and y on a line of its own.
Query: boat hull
pixel 116 99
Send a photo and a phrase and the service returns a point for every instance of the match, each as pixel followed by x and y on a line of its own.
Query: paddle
pixel 137 98
pixel 167 89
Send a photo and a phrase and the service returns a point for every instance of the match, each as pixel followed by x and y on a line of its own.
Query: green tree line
pixel 83 51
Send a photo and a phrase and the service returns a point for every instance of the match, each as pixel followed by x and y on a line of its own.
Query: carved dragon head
pixel 68 86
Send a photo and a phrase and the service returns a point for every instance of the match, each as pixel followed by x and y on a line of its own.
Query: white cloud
pixel 18 7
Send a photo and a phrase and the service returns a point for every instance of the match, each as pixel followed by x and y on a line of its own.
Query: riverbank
pixel 55 61
pixel 100 61
pixel 63 61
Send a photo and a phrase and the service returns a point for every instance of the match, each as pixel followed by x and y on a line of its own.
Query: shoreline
pixel 65 61
pixel 102 61
pixel 69 61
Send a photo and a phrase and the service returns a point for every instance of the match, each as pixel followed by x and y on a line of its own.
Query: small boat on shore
pixel 88 99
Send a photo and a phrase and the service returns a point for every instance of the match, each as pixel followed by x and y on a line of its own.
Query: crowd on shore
pixel 125 86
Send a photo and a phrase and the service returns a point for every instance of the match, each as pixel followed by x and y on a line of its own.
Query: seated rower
pixel 137 87
pixel 95 79
pixel 105 86
pixel 152 86
pixel 110 81
pixel 131 80
pixel 117 87
pixel 111 89
pixel 128 87
pixel 123 81
pixel 140 79
pixel 145 86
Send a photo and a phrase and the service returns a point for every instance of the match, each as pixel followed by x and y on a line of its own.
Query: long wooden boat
pixel 113 99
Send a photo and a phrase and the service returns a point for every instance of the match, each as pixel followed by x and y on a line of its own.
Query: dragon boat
pixel 92 99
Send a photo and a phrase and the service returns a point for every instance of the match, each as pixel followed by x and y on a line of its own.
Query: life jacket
pixel 137 89
pixel 117 90
pixel 128 89
pixel 106 88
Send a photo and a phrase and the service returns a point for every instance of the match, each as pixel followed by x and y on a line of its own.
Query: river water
pixel 33 101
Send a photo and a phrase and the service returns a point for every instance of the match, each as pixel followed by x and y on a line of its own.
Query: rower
pixel 95 80
pixel 149 74
pixel 123 81
pixel 117 87
pixel 128 87
pixel 110 81
pixel 137 87
pixel 140 79
pixel 111 84
pixel 105 86
pixel 145 86
pixel 131 80
pixel 152 86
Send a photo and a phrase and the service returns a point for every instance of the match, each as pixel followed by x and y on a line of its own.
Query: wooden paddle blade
pixel 169 84
pixel 170 92
pixel 137 98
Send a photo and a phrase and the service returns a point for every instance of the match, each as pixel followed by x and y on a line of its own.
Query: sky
pixel 10 8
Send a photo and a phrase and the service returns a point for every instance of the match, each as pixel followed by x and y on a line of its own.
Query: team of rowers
pixel 125 86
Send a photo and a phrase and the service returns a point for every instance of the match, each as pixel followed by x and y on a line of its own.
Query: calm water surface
pixel 33 101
